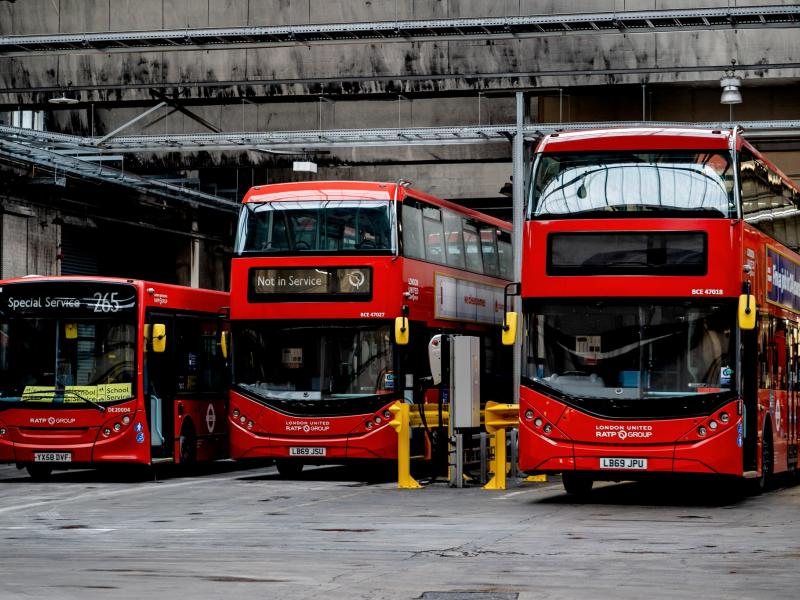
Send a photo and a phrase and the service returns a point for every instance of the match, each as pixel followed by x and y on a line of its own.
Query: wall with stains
pixel 352 69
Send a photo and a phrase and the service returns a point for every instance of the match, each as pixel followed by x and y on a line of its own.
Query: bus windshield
pixel 67 361
pixel 629 183
pixel 632 351
pixel 332 226
pixel 307 362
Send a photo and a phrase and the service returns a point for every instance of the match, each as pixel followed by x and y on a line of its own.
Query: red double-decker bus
pixel 661 308
pixel 337 287
pixel 98 370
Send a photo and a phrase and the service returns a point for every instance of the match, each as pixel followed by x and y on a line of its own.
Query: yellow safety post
pixel 498 417
pixel 401 424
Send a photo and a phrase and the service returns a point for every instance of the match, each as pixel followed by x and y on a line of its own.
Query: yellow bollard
pixel 401 424
pixel 497 417
pixel 498 463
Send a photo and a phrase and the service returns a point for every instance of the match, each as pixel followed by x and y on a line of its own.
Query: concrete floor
pixel 232 532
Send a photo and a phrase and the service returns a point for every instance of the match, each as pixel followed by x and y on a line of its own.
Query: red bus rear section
pixel 83 385
pixel 321 272
pixel 637 247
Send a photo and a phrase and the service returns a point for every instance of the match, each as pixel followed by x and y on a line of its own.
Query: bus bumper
pixel 86 445
pixel 380 443
pixel 573 443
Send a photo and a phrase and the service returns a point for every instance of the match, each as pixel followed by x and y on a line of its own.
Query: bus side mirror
pixel 747 312
pixel 510 329
pixel 71 331
pixel 159 337
pixel 401 333
pixel 225 343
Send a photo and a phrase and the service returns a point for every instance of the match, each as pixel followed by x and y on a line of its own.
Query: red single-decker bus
pixel 98 370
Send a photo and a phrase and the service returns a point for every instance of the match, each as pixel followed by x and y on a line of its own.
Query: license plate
pixel 306 451
pixel 628 464
pixel 56 457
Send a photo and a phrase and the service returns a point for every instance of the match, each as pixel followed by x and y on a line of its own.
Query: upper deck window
pixel 628 184
pixel 336 226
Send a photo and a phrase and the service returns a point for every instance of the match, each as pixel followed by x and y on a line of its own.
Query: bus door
pixel 754 374
pixel 160 388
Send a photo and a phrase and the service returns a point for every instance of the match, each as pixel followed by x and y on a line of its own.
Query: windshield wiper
pixel 28 396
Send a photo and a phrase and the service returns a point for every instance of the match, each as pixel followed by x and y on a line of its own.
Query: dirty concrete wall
pixel 59 16
pixel 571 60
pixel 30 242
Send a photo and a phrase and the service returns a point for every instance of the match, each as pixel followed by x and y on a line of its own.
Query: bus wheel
pixel 767 465
pixel 39 472
pixel 289 469
pixel 188 447
pixel 577 484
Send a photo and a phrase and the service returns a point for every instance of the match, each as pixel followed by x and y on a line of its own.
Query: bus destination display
pixel 321 283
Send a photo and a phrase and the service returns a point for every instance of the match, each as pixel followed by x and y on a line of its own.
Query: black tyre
pixel 188 448
pixel 767 462
pixel 289 469
pixel 39 472
pixel 577 484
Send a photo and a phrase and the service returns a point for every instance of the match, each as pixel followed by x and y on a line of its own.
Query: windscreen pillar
pixel 518 185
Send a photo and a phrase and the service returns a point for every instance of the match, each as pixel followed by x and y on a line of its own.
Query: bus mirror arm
pixel 506 293
pixel 747 309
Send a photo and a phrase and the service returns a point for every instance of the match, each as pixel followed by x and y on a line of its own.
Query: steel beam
pixel 316 140
pixel 480 28
pixel 42 157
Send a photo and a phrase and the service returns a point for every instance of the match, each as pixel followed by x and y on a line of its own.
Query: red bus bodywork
pixel 120 434
pixel 558 436
pixel 257 430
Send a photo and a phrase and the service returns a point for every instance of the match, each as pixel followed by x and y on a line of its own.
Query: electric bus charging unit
pixel 456 365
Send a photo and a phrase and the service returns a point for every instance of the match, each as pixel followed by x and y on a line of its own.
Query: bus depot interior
pixel 144 179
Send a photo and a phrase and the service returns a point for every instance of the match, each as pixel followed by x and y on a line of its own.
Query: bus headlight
pixel 3 431
pixel 235 412
pixel 724 417
pixel 368 424
pixel 126 419
pixel 117 426
pixel 701 431
pixel 712 425
pixel 107 431
pixel 529 414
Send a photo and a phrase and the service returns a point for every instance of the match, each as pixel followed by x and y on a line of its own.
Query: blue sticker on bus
pixel 138 427
pixel 739 441
pixel 388 381
pixel 739 428
pixel 140 437
pixel 783 280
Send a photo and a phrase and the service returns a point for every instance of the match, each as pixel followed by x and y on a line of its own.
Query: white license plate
pixel 56 457
pixel 628 464
pixel 306 451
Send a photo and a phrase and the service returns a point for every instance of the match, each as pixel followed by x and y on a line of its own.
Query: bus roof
pixel 166 295
pixel 355 190
pixel 633 138
pixel 320 190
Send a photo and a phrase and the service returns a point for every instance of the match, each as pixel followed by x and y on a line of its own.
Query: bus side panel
pixel 206 419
